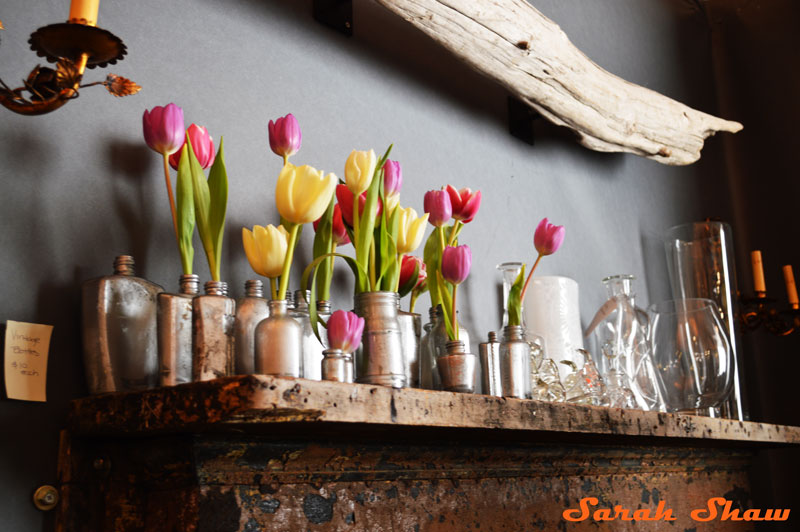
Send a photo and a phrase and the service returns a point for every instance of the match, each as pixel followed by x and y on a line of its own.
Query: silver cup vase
pixel 380 359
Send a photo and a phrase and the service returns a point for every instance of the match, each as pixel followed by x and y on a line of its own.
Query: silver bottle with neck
pixel 457 368
pixel 337 366
pixel 410 331
pixel 250 310
pixel 311 347
pixel 379 360
pixel 489 352
pixel 120 348
pixel 214 316
pixel 175 332
pixel 428 373
pixel 515 363
pixel 279 343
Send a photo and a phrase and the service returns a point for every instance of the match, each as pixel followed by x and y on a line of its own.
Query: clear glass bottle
pixel 428 373
pixel 120 347
pixel 250 310
pixel 279 343
pixel 214 315
pixel 175 332
pixel 311 347
pixel 437 346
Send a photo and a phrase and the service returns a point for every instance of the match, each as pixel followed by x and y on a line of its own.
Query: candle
pixel 758 273
pixel 84 12
pixel 791 289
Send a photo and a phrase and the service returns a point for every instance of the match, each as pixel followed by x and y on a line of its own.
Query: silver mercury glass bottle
pixel 439 339
pixel 214 315
pixel 515 363
pixel 457 368
pixel 428 373
pixel 311 347
pixel 490 366
pixel 410 331
pixel 120 349
pixel 337 366
pixel 279 343
pixel 175 332
pixel 379 360
pixel 250 310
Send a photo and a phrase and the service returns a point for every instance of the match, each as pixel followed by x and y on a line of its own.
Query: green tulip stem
pixel 414 296
pixel 440 230
pixel 285 160
pixel 272 289
pixel 287 263
pixel 171 198
pixel 528 280
pixel 372 281
pixel 454 232
pixel 455 320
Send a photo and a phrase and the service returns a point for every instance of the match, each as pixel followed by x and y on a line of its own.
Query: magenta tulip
pixel 344 331
pixel 437 205
pixel 548 237
pixel 392 178
pixel 163 128
pixel 456 262
pixel 202 145
pixel 465 203
pixel 284 136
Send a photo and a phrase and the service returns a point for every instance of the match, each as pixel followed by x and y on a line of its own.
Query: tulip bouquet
pixel 546 239
pixel 448 262
pixel 199 200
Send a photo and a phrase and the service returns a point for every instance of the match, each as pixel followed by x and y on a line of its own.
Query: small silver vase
pixel 311 347
pixel 250 310
pixel 175 332
pixel 410 330
pixel 457 368
pixel 380 358
pixel 337 366
pixel 120 348
pixel 490 366
pixel 278 343
pixel 515 363
pixel 214 315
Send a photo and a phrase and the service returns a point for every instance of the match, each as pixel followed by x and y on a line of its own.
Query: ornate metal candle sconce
pixel 73 46
pixel 761 311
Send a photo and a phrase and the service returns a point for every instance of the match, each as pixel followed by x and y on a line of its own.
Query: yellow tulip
pixel 411 230
pixel 392 201
pixel 303 193
pixel 265 248
pixel 359 169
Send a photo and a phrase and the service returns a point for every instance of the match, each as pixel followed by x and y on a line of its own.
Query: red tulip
pixel 344 331
pixel 456 263
pixel 548 237
pixel 202 144
pixel 408 267
pixel 163 128
pixel 340 235
pixel 284 135
pixel 345 200
pixel 465 203
pixel 437 205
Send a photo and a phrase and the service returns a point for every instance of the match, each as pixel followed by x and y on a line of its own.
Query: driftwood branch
pixel 513 43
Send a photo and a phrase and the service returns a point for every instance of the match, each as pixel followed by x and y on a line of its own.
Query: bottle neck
pixel 513 333
pixel 278 307
pixel 124 265
pixel 190 284
pixel 301 298
pixel 216 288
pixel 254 288
pixel 619 286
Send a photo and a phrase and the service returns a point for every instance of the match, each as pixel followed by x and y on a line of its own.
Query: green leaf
pixel 514 299
pixel 432 256
pixel 366 223
pixel 202 206
pixel 185 208
pixel 390 268
pixel 323 242
pixel 218 192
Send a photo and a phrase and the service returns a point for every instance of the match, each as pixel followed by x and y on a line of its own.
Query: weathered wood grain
pixel 234 403
pixel 513 43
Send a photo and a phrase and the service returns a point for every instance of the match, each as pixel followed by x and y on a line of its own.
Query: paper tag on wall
pixel 27 347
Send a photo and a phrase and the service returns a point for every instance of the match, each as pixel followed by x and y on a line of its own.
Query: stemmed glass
pixel 691 353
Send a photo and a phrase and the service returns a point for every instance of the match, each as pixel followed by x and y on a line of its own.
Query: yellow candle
pixel 758 272
pixel 84 12
pixel 791 289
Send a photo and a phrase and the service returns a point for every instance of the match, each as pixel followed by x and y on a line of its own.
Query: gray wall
pixel 79 186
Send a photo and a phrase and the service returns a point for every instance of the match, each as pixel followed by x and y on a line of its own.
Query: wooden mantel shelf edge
pixel 233 402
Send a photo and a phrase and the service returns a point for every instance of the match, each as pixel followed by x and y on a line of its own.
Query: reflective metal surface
pixel 250 310
pixel 515 363
pixel 175 332
pixel 278 343
pixel 214 315
pixel 380 358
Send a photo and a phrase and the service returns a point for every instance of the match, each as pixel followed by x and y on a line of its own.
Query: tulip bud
pixel 359 169
pixel 202 144
pixel 163 128
pixel 340 235
pixel 284 135
pixel 437 205
pixel 465 203
pixel 303 193
pixel 344 331
pixel 548 237
pixel 407 268
pixel 456 262
pixel 266 248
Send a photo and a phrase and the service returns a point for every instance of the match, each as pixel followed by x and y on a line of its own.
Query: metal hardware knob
pixel 45 498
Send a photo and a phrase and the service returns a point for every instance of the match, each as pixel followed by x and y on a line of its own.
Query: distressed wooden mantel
pixel 257 453
pixel 513 43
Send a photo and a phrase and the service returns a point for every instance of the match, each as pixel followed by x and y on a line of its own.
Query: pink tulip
pixel 345 201
pixel 437 205
pixel 392 178
pixel 465 203
pixel 284 135
pixel 456 262
pixel 340 235
pixel 344 331
pixel 163 128
pixel 407 268
pixel 548 237
pixel 202 145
